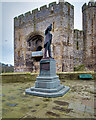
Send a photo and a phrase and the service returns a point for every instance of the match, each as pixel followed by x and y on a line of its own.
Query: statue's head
pixel 49 28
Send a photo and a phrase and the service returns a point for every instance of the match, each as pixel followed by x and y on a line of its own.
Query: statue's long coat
pixel 48 39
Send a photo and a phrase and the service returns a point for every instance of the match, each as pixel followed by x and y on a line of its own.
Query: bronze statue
pixel 47 41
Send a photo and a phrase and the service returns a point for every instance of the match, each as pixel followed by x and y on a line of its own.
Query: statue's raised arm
pixel 47 41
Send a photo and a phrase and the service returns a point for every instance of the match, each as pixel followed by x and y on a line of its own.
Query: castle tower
pixel 29 36
pixel 89 34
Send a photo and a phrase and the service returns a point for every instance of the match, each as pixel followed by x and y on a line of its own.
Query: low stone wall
pixel 18 77
pixel 74 75
pixel 26 77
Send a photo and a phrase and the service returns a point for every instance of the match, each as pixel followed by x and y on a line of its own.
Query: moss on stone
pixel 27 76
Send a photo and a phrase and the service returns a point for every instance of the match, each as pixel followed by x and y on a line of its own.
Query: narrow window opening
pixel 77 35
pixel 18 53
pixel 77 45
pixel 29 43
pixel 19 36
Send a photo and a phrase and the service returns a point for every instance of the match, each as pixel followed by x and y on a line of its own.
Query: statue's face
pixel 50 28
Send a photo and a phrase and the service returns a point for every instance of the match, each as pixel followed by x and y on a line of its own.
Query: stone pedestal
pixel 47 83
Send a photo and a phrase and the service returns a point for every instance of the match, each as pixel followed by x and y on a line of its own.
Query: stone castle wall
pixel 78 47
pixel 69 47
pixel 89 36
pixel 30 28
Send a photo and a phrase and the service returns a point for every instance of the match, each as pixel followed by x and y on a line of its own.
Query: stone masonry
pixel 89 36
pixel 78 47
pixel 67 43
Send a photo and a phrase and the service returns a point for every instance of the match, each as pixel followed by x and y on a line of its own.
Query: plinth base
pixel 47 84
pixel 58 92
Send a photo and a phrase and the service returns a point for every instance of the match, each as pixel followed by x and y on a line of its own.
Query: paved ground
pixel 77 103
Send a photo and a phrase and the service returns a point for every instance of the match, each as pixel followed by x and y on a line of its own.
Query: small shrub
pixel 79 68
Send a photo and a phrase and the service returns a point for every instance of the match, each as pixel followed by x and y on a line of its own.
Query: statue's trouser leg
pixel 49 49
pixel 45 51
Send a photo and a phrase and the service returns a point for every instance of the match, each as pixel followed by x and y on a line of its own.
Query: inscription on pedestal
pixel 45 66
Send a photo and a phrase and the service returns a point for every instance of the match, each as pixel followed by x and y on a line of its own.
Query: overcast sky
pixel 13 8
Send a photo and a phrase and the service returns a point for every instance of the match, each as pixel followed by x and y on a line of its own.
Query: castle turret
pixel 89 34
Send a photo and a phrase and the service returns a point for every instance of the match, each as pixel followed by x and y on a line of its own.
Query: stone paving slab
pixel 77 103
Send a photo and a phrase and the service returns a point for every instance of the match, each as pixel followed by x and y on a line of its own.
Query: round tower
pixel 89 34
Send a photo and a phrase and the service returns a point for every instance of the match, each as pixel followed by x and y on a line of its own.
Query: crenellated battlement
pixel 69 5
pixel 35 11
pixel 52 4
pixel 76 30
pixel 43 7
pixel 78 33
pixel 36 14
pixel 90 4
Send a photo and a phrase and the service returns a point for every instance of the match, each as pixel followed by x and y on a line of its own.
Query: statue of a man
pixel 47 41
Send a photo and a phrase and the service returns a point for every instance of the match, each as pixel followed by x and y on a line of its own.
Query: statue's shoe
pixel 51 57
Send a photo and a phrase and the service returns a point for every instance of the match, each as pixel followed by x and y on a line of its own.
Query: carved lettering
pixel 45 66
